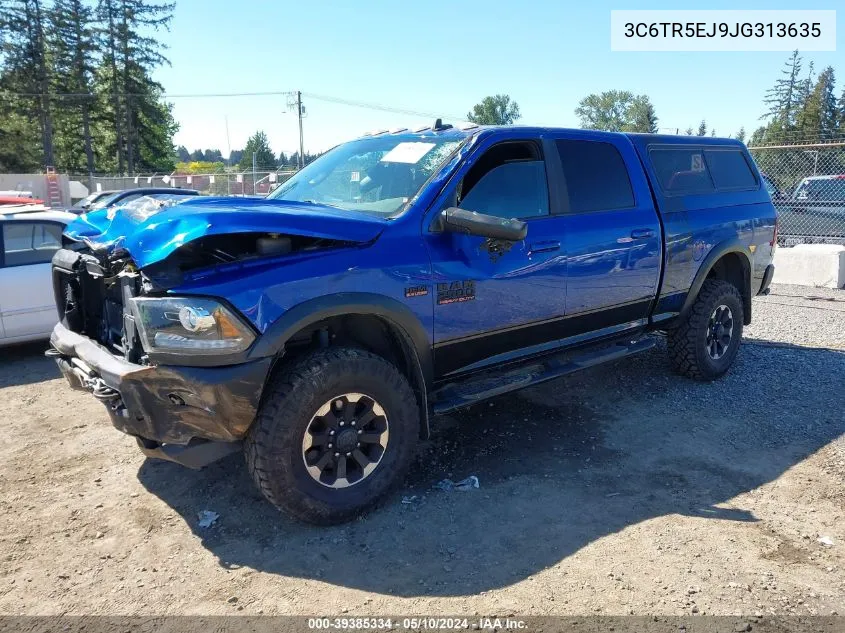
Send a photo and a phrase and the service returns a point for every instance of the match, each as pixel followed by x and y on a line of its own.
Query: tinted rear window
pixel 596 176
pixel 681 170
pixel 729 169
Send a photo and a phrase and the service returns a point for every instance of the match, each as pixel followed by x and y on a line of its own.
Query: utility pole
pixel 301 144
pixel 253 173
pixel 295 101
pixel 228 160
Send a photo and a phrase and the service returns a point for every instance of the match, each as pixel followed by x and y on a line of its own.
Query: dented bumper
pixel 163 405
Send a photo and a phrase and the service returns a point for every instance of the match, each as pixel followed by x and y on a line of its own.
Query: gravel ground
pixel 620 490
pixel 810 317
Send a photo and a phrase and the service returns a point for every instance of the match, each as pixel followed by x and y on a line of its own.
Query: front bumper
pixel 161 404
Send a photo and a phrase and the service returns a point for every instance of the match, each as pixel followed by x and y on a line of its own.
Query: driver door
pixel 489 303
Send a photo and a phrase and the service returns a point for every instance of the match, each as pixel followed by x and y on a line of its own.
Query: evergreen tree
pixel 182 154
pixel 702 128
pixel 131 54
pixel 840 117
pixel 154 127
pixel 740 136
pixel 784 99
pixel 260 146
pixel 19 151
pixel 24 52
pixel 73 48
pixel 108 12
pixel 818 119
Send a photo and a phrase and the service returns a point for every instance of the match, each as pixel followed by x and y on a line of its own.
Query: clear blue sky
pixel 444 57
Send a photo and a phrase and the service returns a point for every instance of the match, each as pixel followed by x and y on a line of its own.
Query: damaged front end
pixel 104 344
pixel 172 370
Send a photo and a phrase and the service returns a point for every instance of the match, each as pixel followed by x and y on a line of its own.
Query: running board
pixel 457 395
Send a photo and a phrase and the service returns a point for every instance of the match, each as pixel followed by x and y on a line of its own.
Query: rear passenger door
pixel 612 232
pixel 27 304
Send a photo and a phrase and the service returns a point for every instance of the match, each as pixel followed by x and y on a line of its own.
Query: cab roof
pixel 464 130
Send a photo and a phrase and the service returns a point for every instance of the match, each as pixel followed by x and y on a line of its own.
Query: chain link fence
pixel 807 185
pixel 806 182
pixel 246 183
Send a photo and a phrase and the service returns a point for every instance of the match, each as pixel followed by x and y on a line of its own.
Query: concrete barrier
pixel 820 265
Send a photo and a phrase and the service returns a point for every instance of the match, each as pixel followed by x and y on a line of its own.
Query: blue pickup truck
pixel 401 276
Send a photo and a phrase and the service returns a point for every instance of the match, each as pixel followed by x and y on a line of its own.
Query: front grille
pixel 90 299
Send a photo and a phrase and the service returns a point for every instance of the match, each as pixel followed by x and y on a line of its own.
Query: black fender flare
pixel 715 254
pixel 272 342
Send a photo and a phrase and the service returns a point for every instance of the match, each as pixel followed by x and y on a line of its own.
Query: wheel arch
pixel 356 314
pixel 731 262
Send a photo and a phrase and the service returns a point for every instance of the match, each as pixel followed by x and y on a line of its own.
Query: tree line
pixel 802 106
pixel 212 161
pixel 76 93
pixel 76 87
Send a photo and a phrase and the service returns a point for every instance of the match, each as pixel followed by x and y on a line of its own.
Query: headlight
pixel 189 325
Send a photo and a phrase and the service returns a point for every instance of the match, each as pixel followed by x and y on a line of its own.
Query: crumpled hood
pixel 150 233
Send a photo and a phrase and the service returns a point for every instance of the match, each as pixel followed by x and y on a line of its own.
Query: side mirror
pixel 462 221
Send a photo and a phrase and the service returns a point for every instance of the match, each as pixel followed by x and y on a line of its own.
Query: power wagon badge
pixel 416 291
pixel 455 292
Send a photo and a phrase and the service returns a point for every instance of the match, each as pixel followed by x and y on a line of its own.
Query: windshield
pixel 86 200
pixel 92 198
pixel 102 203
pixel 822 190
pixel 377 175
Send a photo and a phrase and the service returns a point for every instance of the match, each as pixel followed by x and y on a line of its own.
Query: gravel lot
pixel 623 489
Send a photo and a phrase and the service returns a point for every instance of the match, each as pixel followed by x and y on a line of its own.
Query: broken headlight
pixel 192 325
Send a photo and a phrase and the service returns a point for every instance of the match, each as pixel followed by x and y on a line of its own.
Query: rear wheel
pixel 335 433
pixel 705 344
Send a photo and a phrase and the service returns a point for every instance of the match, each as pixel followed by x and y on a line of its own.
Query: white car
pixel 29 236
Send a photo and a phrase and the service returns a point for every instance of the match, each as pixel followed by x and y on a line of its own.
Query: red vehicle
pixel 19 200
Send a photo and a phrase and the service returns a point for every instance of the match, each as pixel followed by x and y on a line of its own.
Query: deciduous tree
pixel 617 111
pixel 495 110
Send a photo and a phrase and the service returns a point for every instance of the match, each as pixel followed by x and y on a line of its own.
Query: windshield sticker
pixel 697 163
pixel 407 153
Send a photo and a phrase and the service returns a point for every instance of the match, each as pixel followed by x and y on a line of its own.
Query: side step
pixel 457 395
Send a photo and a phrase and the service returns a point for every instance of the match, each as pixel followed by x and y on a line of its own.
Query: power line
pixel 163 95
pixel 382 107
pixel 266 93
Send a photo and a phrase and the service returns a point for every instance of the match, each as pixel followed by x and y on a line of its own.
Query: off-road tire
pixel 687 342
pixel 273 446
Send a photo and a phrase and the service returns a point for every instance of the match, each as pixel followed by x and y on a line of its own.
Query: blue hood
pixel 150 233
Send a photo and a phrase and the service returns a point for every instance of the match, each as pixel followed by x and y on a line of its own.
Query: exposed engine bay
pixel 216 250
pixel 93 286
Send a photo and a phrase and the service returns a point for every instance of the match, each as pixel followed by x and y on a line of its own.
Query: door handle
pixel 544 247
pixel 642 234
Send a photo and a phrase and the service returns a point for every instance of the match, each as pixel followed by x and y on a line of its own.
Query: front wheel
pixel 334 434
pixel 706 342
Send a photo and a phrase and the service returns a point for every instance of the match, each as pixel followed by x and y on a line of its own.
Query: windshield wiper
pixel 322 204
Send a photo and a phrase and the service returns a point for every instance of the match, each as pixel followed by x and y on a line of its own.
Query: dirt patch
pixel 623 489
